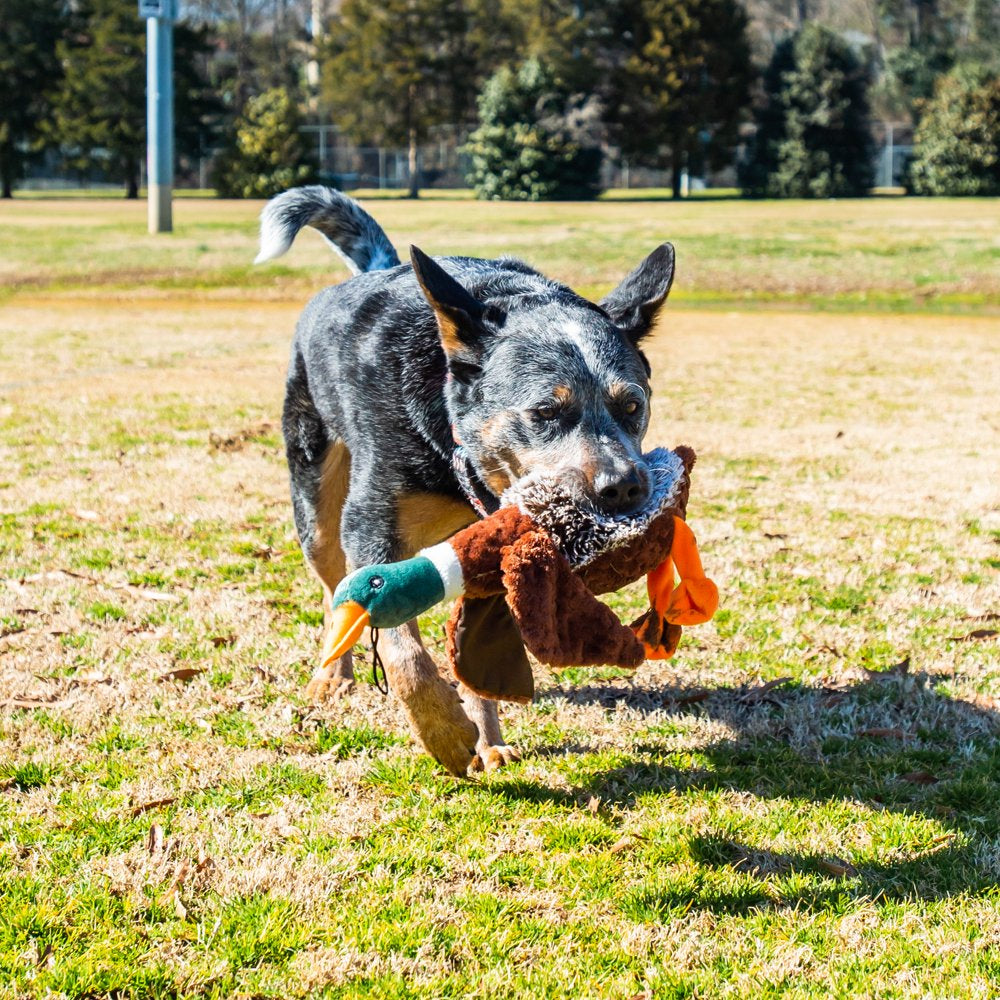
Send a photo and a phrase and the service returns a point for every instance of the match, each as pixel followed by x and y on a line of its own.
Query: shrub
pixel 532 140
pixel 266 153
pixel 812 136
pixel 956 147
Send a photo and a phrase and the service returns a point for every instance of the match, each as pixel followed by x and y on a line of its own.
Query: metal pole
pixel 160 121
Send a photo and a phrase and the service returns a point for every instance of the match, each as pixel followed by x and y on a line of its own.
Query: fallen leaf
pixel 179 908
pixel 181 674
pixel 180 874
pixel 154 840
pixel 688 698
pixel 898 670
pixel 155 804
pixel 976 635
pixel 85 515
pixel 626 842
pixel 45 957
pixel 990 616
pixel 225 442
pixel 594 804
pixel 223 640
pixel 90 677
pixel 837 866
pixel 768 534
pixel 758 693
pixel 885 733
pixel 266 674
pixel 920 778
pixel 51 700
pixel 152 595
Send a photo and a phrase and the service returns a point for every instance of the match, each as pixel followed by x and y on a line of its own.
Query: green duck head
pixel 383 595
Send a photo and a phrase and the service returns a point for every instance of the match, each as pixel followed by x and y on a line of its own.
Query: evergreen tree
pixel 812 136
pixel 29 70
pixel 266 152
pixel 100 111
pixel 679 81
pixel 956 148
pixel 395 69
pixel 531 143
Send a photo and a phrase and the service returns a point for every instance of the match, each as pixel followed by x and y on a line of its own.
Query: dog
pixel 417 393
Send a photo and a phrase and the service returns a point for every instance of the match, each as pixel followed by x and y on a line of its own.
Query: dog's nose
pixel 620 496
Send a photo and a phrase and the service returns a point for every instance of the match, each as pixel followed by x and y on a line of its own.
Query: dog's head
pixel 550 381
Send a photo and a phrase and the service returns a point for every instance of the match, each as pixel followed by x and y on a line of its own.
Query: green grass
pixel 882 254
pixel 177 821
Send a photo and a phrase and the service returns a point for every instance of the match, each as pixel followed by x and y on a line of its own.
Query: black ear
pixel 633 305
pixel 460 316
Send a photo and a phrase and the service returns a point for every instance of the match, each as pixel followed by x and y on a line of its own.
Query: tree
pixel 531 143
pixel 266 152
pixel 29 69
pixel 395 69
pixel 679 81
pixel 956 147
pixel 100 111
pixel 812 136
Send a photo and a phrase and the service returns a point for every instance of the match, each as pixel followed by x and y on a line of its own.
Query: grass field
pixel 805 802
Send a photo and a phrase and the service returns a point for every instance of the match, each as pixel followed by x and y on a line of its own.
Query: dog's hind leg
pixel 319 471
pixel 491 751
pixel 327 558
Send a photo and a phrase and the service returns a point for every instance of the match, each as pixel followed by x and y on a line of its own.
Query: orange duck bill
pixel 347 623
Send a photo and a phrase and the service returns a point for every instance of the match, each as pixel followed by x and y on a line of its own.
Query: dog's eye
pixel 546 412
pixel 631 407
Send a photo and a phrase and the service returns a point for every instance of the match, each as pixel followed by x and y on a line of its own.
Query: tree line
pixel 537 92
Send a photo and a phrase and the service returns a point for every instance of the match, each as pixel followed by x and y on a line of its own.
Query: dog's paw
pixel 494 757
pixel 437 718
pixel 323 688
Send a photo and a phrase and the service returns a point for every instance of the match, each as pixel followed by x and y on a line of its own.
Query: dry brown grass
pixel 847 459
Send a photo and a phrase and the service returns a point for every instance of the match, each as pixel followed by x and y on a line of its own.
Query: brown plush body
pixel 521 589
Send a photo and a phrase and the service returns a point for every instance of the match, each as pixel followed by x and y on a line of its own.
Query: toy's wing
pixel 486 650
pixel 561 621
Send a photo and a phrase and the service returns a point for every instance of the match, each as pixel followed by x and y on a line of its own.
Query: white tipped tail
pixel 351 232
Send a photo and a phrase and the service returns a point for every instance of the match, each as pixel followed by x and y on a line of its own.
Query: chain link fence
pixel 442 165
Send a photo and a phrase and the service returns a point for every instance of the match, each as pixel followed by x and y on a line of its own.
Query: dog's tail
pixel 345 225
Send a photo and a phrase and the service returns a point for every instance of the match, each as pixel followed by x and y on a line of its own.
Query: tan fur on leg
pixel 330 565
pixel 491 751
pixel 432 704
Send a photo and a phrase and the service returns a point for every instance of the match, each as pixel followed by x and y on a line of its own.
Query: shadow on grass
pixel 890 744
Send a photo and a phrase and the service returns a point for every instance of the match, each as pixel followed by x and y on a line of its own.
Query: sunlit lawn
pixel 805 802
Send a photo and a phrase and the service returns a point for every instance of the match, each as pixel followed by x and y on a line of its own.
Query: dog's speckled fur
pixel 393 366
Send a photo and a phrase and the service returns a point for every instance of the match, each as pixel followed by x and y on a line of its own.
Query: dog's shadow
pixel 890 743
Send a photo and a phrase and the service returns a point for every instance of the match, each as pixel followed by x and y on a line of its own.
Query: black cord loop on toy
pixel 379 678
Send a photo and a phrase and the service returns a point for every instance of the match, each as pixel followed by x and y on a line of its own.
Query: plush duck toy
pixel 528 574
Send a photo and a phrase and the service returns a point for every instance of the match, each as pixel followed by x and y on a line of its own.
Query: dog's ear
pixel 460 316
pixel 633 305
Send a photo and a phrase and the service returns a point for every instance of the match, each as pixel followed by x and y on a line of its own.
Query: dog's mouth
pixel 562 503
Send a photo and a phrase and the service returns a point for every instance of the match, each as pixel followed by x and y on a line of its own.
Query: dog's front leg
pixel 491 751
pixel 432 704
